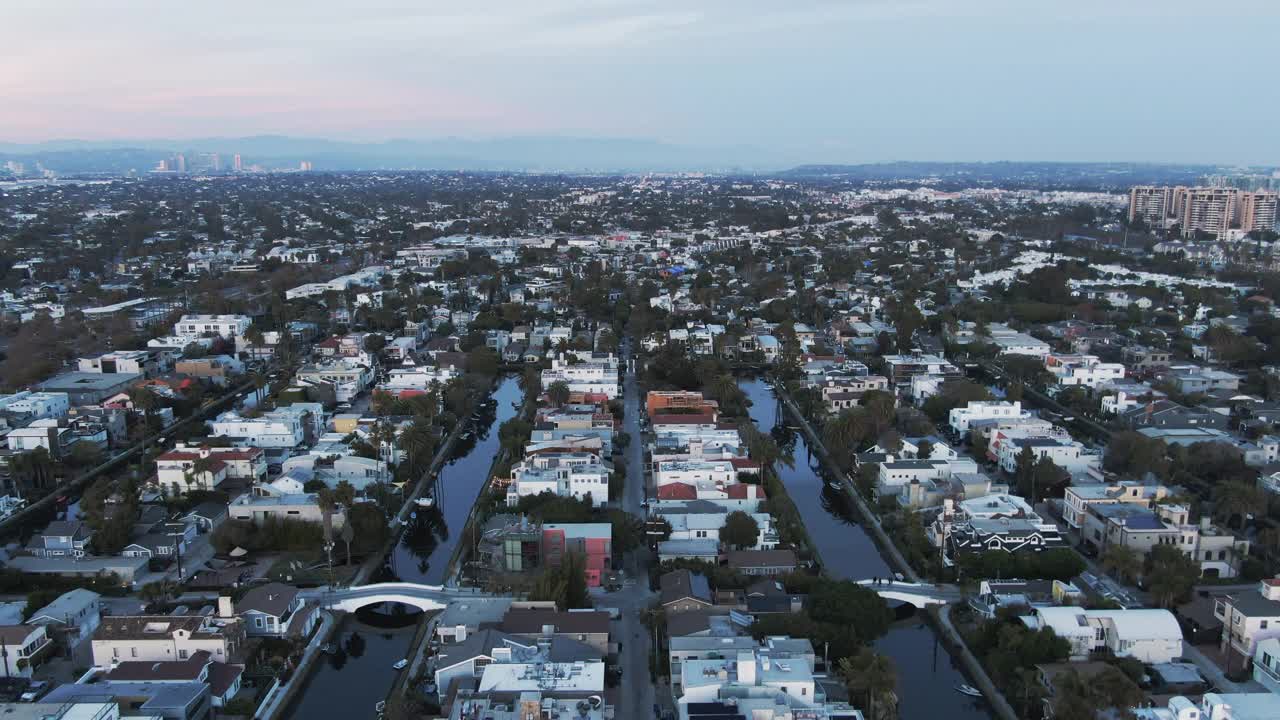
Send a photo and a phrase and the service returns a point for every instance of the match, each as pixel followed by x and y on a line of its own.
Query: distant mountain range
pixel 534 154
pixel 571 155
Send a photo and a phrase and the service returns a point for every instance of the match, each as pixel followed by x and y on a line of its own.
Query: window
pixel 133 652
pixel 183 654
pixel 257 622
pixel 1265 623
pixel 115 652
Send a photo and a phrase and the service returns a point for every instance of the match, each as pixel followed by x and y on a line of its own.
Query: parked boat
pixel 425 502
pixel 969 690
pixel 401 664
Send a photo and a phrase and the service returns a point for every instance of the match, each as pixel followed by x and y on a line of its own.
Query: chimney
pixel 225 607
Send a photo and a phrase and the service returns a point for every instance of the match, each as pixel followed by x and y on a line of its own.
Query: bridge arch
pixel 422 597
pixel 921 595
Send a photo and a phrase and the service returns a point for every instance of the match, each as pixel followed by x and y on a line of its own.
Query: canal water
pixel 350 681
pixel 927 675
pixel 347 683
pixel 429 539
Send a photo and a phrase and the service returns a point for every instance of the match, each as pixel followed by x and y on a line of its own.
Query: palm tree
pixel 419 443
pixel 202 470
pixel 874 676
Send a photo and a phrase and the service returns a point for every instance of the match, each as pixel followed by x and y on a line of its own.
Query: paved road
pixel 636 691
pixel 1213 673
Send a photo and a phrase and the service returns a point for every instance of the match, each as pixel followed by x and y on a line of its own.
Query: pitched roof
pixel 684 584
pixel 761 558
pixel 530 621
pixel 269 599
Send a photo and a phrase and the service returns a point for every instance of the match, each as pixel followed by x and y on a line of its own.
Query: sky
pixel 818 80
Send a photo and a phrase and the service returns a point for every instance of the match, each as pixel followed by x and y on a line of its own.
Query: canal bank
pixel 349 681
pixel 431 535
pixel 927 673
pixel 419 553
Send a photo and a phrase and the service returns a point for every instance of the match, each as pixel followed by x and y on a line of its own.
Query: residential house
pixel 1150 636
pixel 1248 617
pixel 26 647
pixel 223 679
pixel 273 610
pixel 165 637
pixel 684 591
pixel 71 618
pixel 588 627
pixel 61 538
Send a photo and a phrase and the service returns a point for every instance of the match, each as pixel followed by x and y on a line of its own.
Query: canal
pixel 927 675
pixel 429 539
pixel 351 680
pixel 359 673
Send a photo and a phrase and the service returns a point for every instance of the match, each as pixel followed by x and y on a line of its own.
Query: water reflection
pixel 357 673
pixel 926 673
pixel 427 543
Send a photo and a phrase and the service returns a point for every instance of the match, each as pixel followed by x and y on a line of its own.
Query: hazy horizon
pixel 814 81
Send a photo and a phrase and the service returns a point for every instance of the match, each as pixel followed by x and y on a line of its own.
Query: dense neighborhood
pixel 701 447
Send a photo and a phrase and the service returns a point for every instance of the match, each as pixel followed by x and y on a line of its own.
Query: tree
pixel 558 392
pixel 1170 575
pixel 924 450
pixel 848 604
pixel 1134 454
pixel 85 454
pixel 739 530
pixel 419 444
pixel 1122 562
pixel 374 343
pixel 1237 500
pixel 873 676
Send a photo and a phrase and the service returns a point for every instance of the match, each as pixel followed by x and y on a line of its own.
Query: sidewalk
pixel 1213 673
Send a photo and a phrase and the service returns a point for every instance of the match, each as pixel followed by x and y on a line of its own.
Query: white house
pixel 36 405
pixel 1151 636
pixel 228 326
pixel 1083 370
pixel 580 475
pixel 274 429
pixel 960 418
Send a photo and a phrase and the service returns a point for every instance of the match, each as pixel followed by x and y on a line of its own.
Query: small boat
pixel 833 485
pixel 969 690
pixel 401 664
pixel 328 648
pixel 425 502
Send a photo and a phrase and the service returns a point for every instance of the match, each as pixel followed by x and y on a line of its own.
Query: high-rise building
pixel 305 166
pixel 1257 210
pixel 215 162
pixel 1207 210
pixel 181 163
pixel 236 164
pixel 1152 204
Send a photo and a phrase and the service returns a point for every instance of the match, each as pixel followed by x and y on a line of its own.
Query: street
pixel 637 690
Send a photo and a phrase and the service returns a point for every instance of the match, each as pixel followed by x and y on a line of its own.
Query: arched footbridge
pixel 919 594
pixel 422 597
pixel 435 597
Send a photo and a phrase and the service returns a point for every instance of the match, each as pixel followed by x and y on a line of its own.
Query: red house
pixel 594 541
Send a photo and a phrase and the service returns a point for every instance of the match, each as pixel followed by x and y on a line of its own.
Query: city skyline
pixel 814 82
